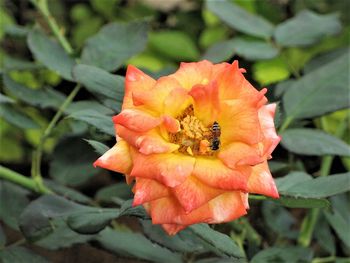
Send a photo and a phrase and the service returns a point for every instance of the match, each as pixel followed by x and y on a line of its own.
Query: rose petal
pixel 239 153
pixel 223 208
pixel 149 144
pixel 215 174
pixel 131 137
pixel 146 143
pixel 117 158
pixel 266 118
pixel 136 120
pixel 171 124
pixel 147 190
pixel 176 102
pixel 190 74
pixel 261 181
pixel 168 168
pixel 192 193
pixel 206 102
pixel 227 207
pixel 245 200
pixel 153 99
pixel 135 81
pixel 165 210
pixel 233 85
pixel 239 123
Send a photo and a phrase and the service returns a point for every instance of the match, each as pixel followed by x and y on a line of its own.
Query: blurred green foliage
pixel 299 49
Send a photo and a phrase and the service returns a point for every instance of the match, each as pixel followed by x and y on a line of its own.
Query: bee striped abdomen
pixel 215 132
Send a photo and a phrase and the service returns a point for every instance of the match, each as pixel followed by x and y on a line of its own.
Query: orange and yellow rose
pixel 186 169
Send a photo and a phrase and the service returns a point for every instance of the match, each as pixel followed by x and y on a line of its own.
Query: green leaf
pixel 61 236
pixel 102 122
pixel 277 166
pixel 100 82
pixel 11 63
pixel 135 245
pixel 282 87
pixel 324 235
pixel 322 91
pixel 270 71
pixel 325 58
pixel 5 21
pixel 220 260
pixel 12 150
pixel 149 61
pixel 289 199
pixel 219 243
pixel 44 222
pixel 86 28
pixel 240 19
pixel 72 161
pixel 211 35
pixel 279 219
pixel 105 7
pixel 67 192
pixel 248 49
pixel 338 218
pixel 306 28
pixel 286 254
pixel 184 241
pixel 99 147
pixel 320 187
pixel 254 50
pixel 219 52
pixel 313 142
pixel 44 98
pixel 340 225
pixel 51 54
pixel 174 44
pixel 38 220
pixel 2 237
pixel 114 44
pixel 88 105
pixel 120 191
pixel 293 178
pixel 5 99
pixel 16 30
pixel 127 209
pixel 340 203
pixel 91 222
pixel 20 255
pixel 17 117
pixel 300 202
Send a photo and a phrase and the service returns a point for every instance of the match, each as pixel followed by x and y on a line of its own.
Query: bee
pixel 215 133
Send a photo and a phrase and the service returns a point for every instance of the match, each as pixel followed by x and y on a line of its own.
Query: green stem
pixel 257 197
pixel 326 165
pixel 61 110
pixel 22 180
pixel 37 155
pixel 239 240
pixel 307 227
pixel 44 9
pixel 285 124
pixel 309 222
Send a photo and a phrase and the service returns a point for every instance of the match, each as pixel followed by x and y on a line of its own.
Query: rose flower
pixel 195 142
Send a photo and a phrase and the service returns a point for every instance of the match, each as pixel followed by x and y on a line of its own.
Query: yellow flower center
pixel 194 138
